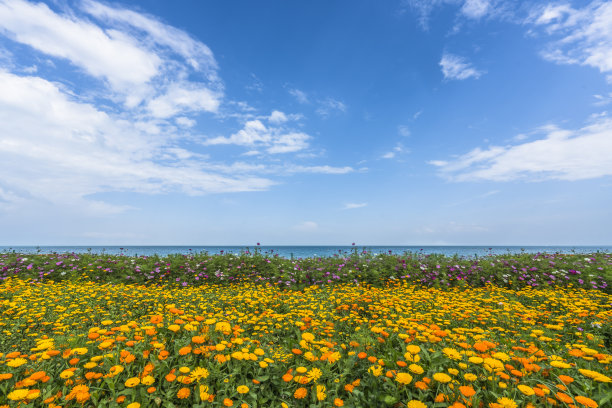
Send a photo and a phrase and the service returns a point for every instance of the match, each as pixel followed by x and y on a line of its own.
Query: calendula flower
pixel 16 362
pixel 300 393
pixel 132 382
pixel 133 405
pixel 183 393
pixel 228 402
pixel 18 395
pixel 442 378
pixel 403 378
pixel 415 404
pixel 199 373
pixel 415 369
pixel 467 391
pixel 338 402
pixel 314 374
pixel 242 389
pixel 526 390
pixel 587 402
pixel 506 402
pixel 80 393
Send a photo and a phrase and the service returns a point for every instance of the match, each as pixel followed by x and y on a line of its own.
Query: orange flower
pixel 151 390
pixel 170 377
pixel 185 350
pixel 362 355
pixel 467 391
pixel 300 393
pixel 564 398
pixel 338 402
pixel 566 379
pixel 183 393
pixel 296 351
pixel 421 385
pixel 228 402
pixel 587 402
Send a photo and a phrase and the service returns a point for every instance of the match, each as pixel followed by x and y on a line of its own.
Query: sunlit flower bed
pixel 83 343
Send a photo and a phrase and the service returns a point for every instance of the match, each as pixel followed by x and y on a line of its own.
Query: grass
pixel 255 330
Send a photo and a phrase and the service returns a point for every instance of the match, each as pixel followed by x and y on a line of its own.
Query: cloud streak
pixel 560 155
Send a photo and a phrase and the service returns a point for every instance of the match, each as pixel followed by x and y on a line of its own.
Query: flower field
pixel 254 330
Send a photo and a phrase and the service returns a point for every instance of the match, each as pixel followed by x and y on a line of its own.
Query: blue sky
pixel 399 122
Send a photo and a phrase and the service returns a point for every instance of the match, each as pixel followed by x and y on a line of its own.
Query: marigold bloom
pixel 16 362
pixel 403 378
pixel 133 405
pixel 362 355
pixel 421 385
pixel 228 402
pixel 506 402
pixel 80 393
pixel 415 404
pixel 300 393
pixel 566 379
pixel 442 378
pixel 314 374
pixel 338 402
pixel 587 402
pixel 132 382
pixel 18 395
pixel 242 389
pixel 467 391
pixel 183 393
pixel 526 390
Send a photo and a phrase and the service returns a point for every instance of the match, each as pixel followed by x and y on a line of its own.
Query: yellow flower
pixel 453 371
pixel 148 380
pixel 451 353
pixel 18 395
pixel 132 382
pixel 184 370
pixel 308 337
pixel 314 374
pixel 321 392
pixel 242 389
pixel 199 373
pixel 415 404
pixel 475 360
pixel 506 402
pixel 66 374
pixel 442 378
pixel 525 389
pixel 415 368
pixel 174 327
pixel 470 377
pixel 133 405
pixel 301 370
pixel 413 349
pixel 403 378
pixel 17 362
pixel 376 370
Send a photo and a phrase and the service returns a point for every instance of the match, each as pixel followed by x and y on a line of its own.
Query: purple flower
pixel 30 266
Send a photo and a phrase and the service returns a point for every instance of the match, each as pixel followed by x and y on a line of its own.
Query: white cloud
pixel 306 226
pixel 277 117
pixel 299 95
pixel 184 97
pixel 329 105
pixel 58 150
pixel 475 8
pixel 403 131
pixel 138 57
pixel 319 169
pixel 79 41
pixel 561 155
pixel 185 122
pixel 274 139
pixel 352 206
pixel 398 149
pixel 456 67
pixel 584 35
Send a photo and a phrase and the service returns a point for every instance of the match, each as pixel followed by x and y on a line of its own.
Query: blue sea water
pixel 307 251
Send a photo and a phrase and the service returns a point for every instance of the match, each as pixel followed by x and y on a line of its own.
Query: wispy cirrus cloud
pixel 561 154
pixel 582 35
pixel 352 206
pixel 459 68
pixel 328 106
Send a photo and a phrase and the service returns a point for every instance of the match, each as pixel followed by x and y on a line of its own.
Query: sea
pixel 295 252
